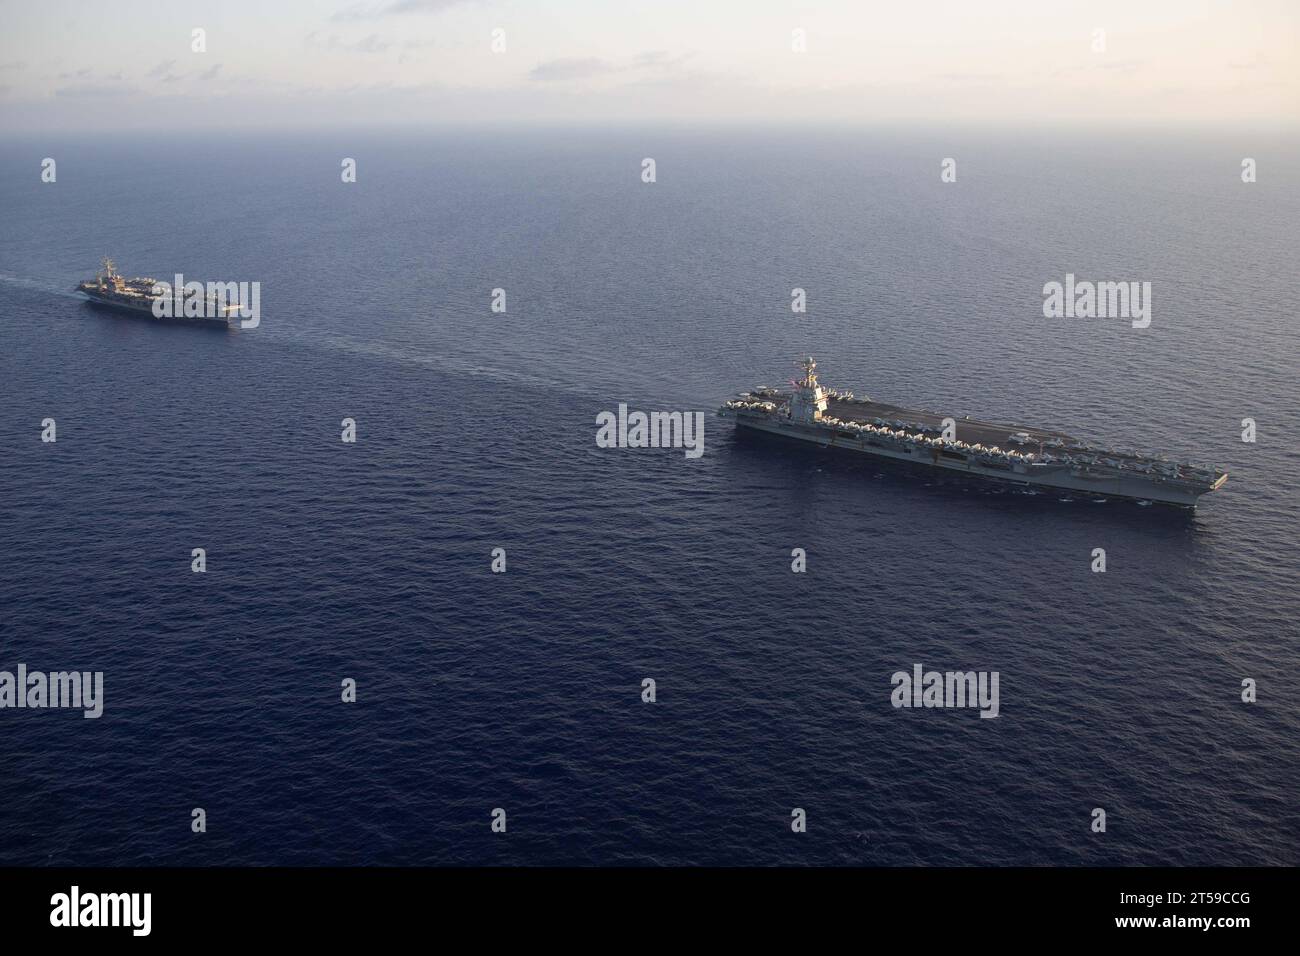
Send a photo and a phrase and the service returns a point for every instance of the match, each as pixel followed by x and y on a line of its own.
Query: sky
pixel 88 64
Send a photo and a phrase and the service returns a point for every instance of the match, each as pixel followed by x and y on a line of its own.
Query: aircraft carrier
pixel 136 295
pixel 1018 454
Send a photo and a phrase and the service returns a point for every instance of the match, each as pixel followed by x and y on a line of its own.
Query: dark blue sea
pixel 476 430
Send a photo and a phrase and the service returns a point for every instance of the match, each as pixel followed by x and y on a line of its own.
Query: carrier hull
pixel 1013 454
pixel 1104 487
pixel 145 309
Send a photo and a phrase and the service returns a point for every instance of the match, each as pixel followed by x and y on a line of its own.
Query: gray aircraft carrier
pixel 136 295
pixel 1011 453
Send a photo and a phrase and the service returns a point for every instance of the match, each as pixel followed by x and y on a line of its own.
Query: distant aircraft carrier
pixel 1010 453
pixel 136 295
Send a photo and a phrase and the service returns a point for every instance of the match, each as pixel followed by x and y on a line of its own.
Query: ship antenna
pixel 808 367
pixel 110 267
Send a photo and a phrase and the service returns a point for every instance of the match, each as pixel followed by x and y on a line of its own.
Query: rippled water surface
pixel 523 690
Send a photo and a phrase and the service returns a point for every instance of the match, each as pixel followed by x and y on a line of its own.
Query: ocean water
pixel 476 429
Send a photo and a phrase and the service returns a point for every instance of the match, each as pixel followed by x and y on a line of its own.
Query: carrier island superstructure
pixel 1010 453
pixel 110 289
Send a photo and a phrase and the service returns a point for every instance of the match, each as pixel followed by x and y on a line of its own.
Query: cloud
pixel 659 60
pixel 86 84
pixel 413 45
pixel 973 77
pixel 654 63
pixel 373 11
pixel 371 43
pixel 163 72
pixel 210 73
pixel 571 68
pixel 368 44
pixel 421 6
pixel 106 89
pixel 1120 66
